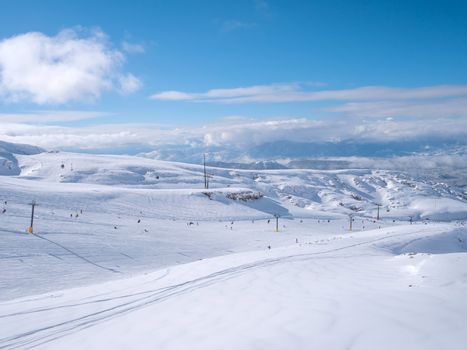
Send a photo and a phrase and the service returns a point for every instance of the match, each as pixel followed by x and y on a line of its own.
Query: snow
pixel 8 161
pixel 341 292
pixel 132 252
pixel 440 208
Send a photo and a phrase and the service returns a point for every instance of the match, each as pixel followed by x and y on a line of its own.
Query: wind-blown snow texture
pixel 156 261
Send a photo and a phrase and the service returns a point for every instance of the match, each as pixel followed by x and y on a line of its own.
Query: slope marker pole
pixel 33 205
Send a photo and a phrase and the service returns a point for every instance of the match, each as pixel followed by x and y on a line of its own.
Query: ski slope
pixel 339 292
pixel 133 252
pixel 336 191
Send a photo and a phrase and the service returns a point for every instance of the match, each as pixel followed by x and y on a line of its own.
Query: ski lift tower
pixel 277 216
pixel 377 212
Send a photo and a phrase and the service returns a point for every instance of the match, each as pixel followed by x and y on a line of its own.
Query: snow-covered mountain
pixel 123 246
pixel 192 150
pixel 305 190
pixel 439 159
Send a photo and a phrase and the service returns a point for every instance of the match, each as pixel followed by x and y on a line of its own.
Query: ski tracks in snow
pixel 107 308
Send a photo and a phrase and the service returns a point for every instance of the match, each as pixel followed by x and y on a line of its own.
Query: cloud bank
pixel 294 92
pixel 236 133
pixel 75 65
pixel 368 102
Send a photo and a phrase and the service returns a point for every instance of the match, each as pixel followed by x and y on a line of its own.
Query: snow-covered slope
pixel 337 191
pixel 128 250
pixel 8 152
pixel 341 291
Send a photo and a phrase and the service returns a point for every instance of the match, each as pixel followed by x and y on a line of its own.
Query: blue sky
pixel 311 60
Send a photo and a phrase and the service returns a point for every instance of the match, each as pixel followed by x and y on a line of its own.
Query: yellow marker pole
pixel 33 204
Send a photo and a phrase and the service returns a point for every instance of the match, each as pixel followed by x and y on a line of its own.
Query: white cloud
pixel 129 84
pixel 50 116
pixel 132 48
pixel 247 132
pixel 225 95
pixel 419 162
pixel 421 109
pixel 232 134
pixel 257 90
pixel 294 92
pixel 441 101
pixel 172 96
pixel 76 64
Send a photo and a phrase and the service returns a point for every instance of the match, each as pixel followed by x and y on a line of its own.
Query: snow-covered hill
pixel 337 191
pixel 8 152
pixel 129 250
